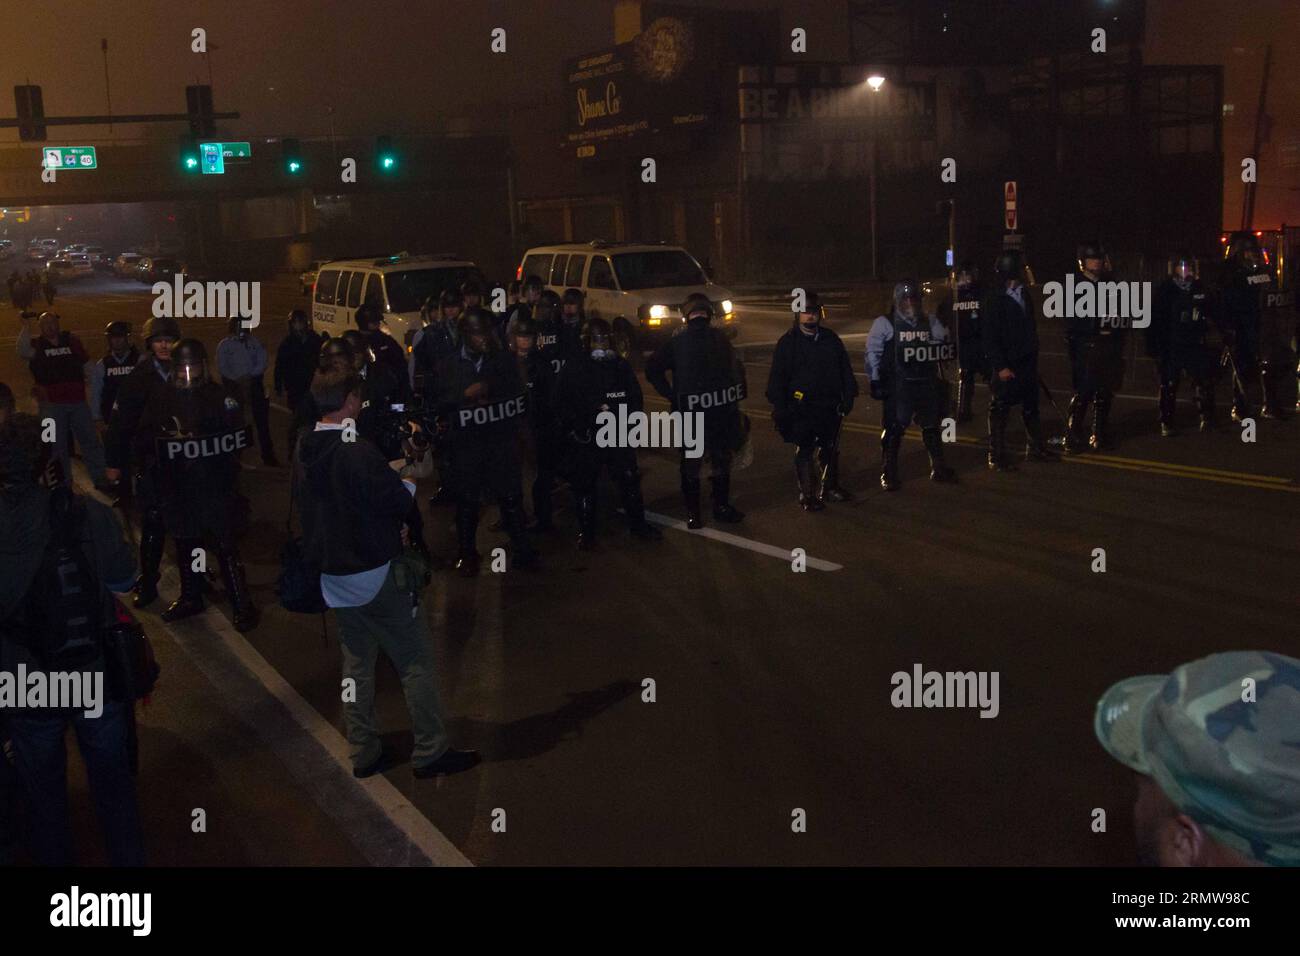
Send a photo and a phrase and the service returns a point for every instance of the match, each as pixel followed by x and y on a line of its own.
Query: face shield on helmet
pixel 907 299
pixel 189 365
pixel 547 307
pixel 599 339
pixel 522 336
pixel 697 308
pixel 1184 270
pixel 118 335
pixel 476 332
pixel 813 314
pixel 1093 260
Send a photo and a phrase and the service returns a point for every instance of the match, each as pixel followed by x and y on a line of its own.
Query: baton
pixel 832 448
pixel 1228 360
pixel 1048 392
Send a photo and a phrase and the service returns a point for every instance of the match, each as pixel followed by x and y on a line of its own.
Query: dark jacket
pixel 295 364
pixel 587 387
pixel 388 352
pixel 351 503
pixel 1010 333
pixel 499 372
pixel 816 366
pixel 1179 319
pixel 145 386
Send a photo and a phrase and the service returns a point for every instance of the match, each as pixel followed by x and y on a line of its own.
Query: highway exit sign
pixel 69 157
pixel 216 155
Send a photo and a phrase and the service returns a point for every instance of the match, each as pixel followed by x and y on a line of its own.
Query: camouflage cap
pixel 1224 751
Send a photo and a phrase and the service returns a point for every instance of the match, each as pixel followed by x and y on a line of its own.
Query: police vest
pixel 115 370
pixel 55 364
pixel 917 353
pixel 477 416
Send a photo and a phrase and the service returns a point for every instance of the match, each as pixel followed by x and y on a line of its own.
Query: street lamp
pixel 875 81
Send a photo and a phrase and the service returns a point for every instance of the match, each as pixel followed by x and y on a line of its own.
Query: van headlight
pixel 658 312
pixel 726 307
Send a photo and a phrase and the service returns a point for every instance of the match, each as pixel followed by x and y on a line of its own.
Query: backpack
pixel 61 620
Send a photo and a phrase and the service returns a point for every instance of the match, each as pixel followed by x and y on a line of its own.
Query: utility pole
pixel 1248 200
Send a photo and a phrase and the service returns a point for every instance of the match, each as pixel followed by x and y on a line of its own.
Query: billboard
pixel 657 83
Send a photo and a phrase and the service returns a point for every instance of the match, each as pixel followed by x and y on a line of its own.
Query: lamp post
pixel 875 81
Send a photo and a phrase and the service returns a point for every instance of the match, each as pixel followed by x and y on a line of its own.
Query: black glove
pixel 877 390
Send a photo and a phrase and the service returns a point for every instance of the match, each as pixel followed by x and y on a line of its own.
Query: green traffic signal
pixel 295 166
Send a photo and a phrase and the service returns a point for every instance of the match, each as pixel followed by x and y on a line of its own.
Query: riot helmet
pixel 907 298
pixel 532 288
pixel 336 350
pixel 118 335
pixel 1090 252
pixel 813 308
pixel 521 335
pixel 451 299
pixel 967 274
pixel 1010 264
pixel 697 308
pixel 1245 253
pixel 571 306
pixel 471 290
pixel 598 339
pixel 368 318
pixel 1184 269
pixel 299 321
pixel 189 364
pixel 161 335
pixel 547 307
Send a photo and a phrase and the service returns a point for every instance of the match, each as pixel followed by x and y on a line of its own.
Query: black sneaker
pixel 381 763
pixel 453 761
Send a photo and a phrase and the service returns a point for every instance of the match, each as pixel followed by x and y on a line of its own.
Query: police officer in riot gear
pixel 480 399
pixel 964 308
pixel 112 370
pixel 591 387
pixel 296 360
pixel 812 388
pixel 530 294
pixel 433 343
pixel 904 350
pixel 541 434
pixel 1180 320
pixel 386 349
pixel 1009 341
pixel 1096 348
pixel 1248 282
pixel 573 321
pixel 144 388
pixel 197 431
pixel 706 377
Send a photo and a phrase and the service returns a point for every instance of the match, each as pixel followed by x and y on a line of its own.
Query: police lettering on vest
pixel 489 414
pixel 966 305
pixel 702 401
pixel 177 449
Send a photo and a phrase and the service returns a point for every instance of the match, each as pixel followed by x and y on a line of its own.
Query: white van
pixel 397 286
pixel 637 287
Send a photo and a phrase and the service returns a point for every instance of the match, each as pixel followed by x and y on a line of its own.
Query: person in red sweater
pixel 59 363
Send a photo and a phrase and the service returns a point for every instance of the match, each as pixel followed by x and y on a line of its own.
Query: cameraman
pixel 353 506
pixel 36 635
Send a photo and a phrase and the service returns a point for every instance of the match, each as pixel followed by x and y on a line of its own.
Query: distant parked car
pixel 124 265
pixel 150 270
pixel 308 277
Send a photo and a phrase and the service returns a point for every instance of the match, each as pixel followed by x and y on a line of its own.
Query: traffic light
pixel 292 152
pixel 31 113
pixel 384 155
pixel 198 103
pixel 189 155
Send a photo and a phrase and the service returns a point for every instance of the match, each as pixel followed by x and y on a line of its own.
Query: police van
pixel 637 287
pixel 397 286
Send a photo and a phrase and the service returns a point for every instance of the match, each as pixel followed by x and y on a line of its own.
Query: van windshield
pixel 663 267
pixel 409 289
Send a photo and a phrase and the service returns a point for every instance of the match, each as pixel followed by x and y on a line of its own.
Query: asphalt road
pixel 772 687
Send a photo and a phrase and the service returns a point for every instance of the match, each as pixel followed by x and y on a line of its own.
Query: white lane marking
pixel 401 813
pixel 737 541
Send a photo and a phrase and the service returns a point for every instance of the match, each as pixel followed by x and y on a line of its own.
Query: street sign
pixel 69 157
pixel 1009 191
pixel 213 162
pixel 236 151
pixel 1011 220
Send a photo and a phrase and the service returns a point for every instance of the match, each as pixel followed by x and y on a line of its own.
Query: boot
pixel 1241 405
pixel 1101 424
pixel 467 538
pixel 965 395
pixel 190 602
pixel 1035 448
pixel 889 445
pixel 998 460
pixel 723 510
pixel 934 445
pixel 691 497
pixel 1075 416
pixel 523 554
pixel 809 500
pixel 151 549
pixel 246 615
pixel 1268 387
pixel 634 508
pixel 1168 402
pixel 1204 396
pixel 831 490
pixel 587 521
